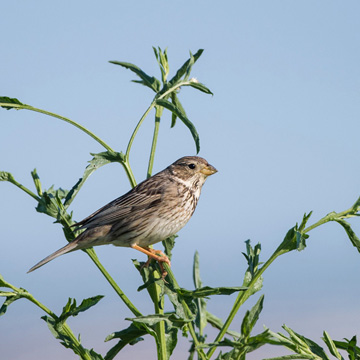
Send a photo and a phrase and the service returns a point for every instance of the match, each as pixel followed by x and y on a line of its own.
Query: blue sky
pixel 282 129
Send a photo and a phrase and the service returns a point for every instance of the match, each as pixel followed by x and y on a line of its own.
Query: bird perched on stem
pixel 151 212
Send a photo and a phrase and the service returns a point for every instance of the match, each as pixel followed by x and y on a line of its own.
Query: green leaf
pixel 299 344
pixel 218 324
pixel 242 346
pixel 146 80
pixel 189 67
pixel 3 283
pixel 170 339
pixel 175 299
pixel 350 233
pixel 251 317
pixel 169 244
pixel 175 100
pixel 11 101
pixel 304 221
pixel 37 182
pixel 162 60
pixel 199 86
pixel 356 206
pixel 131 335
pixel 70 309
pixel 185 67
pixel 252 257
pixel 171 320
pixel 175 110
pixel 50 203
pixel 201 319
pixel 208 291
pixel 95 163
pixel 9 300
pixel 58 331
pixel 6 176
pixel 331 346
pixel 196 271
pixel 350 347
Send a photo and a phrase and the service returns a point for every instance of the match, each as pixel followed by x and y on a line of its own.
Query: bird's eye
pixel 192 166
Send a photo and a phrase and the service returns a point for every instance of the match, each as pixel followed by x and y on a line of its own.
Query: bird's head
pixel 192 169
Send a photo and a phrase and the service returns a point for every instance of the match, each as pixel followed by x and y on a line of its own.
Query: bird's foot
pixel 157 255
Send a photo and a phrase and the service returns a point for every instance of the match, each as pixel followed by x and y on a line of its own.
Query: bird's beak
pixel 208 170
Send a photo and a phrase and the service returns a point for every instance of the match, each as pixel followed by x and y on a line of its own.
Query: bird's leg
pixel 157 255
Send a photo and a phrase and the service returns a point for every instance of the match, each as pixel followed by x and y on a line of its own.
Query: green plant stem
pixel 158 114
pixel 129 173
pixel 242 297
pixel 332 217
pixel 112 282
pixel 136 130
pixel 25 189
pixel 163 95
pixel 65 327
pixel 160 327
pixel 82 128
pixel 192 332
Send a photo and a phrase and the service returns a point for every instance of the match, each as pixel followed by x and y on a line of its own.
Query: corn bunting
pixel 151 212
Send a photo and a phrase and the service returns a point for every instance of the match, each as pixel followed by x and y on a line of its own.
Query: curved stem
pixel 25 189
pixel 242 297
pixel 112 282
pixel 160 327
pixel 129 173
pixel 159 110
pixel 136 130
pixel 175 284
pixel 82 128
pixel 64 327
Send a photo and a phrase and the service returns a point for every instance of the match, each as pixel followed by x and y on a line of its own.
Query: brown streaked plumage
pixel 152 211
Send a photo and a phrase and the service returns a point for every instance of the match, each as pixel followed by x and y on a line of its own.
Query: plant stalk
pixel 242 297
pixel 82 128
pixel 192 332
pixel 112 282
pixel 158 114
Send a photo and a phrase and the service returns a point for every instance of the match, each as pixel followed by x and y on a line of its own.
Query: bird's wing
pixel 142 197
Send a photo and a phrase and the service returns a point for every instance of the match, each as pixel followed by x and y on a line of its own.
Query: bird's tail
pixel 67 248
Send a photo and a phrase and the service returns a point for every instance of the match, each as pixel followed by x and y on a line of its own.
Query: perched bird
pixel 151 212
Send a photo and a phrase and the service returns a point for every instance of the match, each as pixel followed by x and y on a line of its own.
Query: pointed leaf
pixel 130 335
pixel 95 163
pixel 331 346
pixel 169 244
pixel 37 182
pixel 303 342
pixel 70 309
pixel 175 100
pixel 184 67
pixel 208 291
pixel 200 302
pixel 189 67
pixel 149 81
pixel 162 60
pixel 350 233
pixel 356 206
pixel 199 86
pixel 9 300
pixel 3 283
pixel 218 324
pixel 251 317
pixel 11 101
pixel 170 340
pixel 175 110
